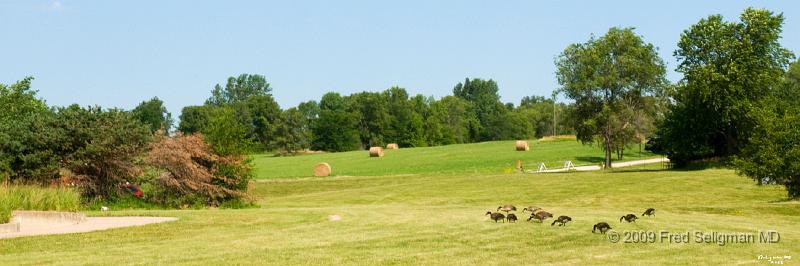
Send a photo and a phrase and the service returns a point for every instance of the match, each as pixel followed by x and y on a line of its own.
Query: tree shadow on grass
pixel 590 159
pixel 785 200
pixel 634 170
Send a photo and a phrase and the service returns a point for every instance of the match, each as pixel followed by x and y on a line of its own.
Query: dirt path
pixel 34 228
pixel 614 165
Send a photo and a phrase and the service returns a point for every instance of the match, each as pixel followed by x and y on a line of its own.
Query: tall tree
pixel 154 114
pixel 728 67
pixel 371 110
pixel 407 126
pixel 290 135
pixel 26 137
pixel 310 112
pixel 261 115
pixel 239 89
pixel 485 99
pixel 414 134
pixel 19 99
pixel 225 134
pixel 772 152
pixel 336 129
pixel 538 110
pixel 606 76
pixel 194 118
pixel 456 117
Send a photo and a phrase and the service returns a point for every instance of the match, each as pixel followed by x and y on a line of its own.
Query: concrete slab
pixel 56 225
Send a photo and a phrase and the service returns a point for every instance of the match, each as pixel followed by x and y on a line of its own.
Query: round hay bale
pixel 322 169
pixel 392 146
pixel 376 152
pixel 522 145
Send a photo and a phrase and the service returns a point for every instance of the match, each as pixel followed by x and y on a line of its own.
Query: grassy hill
pixel 438 219
pixel 485 158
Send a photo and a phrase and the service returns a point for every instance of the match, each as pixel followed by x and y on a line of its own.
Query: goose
pixel 628 218
pixel 649 212
pixel 507 208
pixel 531 209
pixel 540 216
pixel 511 218
pixel 496 216
pixel 602 226
pixel 562 220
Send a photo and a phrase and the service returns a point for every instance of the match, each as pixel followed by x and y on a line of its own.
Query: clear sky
pixel 118 53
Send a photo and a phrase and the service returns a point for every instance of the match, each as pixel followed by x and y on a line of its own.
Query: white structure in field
pixel 542 167
pixel 568 165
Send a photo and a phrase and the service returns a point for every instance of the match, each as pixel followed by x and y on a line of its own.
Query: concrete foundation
pixel 9 228
pixel 24 217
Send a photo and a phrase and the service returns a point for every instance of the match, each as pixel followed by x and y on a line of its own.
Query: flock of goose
pixel 540 215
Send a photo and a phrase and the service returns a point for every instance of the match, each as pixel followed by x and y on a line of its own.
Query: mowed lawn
pixel 477 158
pixel 425 219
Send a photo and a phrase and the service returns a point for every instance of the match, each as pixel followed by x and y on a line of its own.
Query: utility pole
pixel 555 128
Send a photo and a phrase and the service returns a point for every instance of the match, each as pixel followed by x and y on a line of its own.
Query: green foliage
pixel 35 198
pixel 510 125
pixel 607 77
pixel 539 112
pixel 261 116
pixel 97 146
pixel 249 96
pixel 374 119
pixel 336 129
pixel 194 118
pixel 416 130
pixel 28 151
pixel 773 148
pixel 729 68
pixel 18 100
pixel 239 89
pixel 25 140
pixel 154 114
pixel 100 147
pixel 402 127
pixel 291 134
pixel 455 117
pixel 485 99
pixel 225 134
pixel 366 119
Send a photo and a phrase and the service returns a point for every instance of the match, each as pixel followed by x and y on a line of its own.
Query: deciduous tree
pixel 728 68
pixel 154 114
pixel 606 76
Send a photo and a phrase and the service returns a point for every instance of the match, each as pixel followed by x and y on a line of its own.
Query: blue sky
pixel 118 53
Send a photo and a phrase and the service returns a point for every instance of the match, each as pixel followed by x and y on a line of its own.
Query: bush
pixel 36 199
pixel 100 147
pixel 771 156
pixel 25 137
pixel 194 174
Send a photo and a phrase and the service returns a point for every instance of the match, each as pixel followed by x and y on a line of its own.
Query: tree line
pixel 361 120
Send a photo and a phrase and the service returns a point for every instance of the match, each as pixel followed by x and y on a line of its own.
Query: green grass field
pixel 477 158
pixel 428 217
